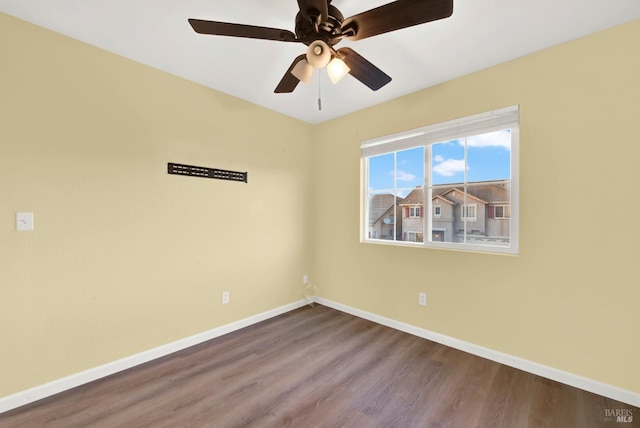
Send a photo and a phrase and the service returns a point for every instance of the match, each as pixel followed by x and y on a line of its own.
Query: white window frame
pixel 411 232
pixel 439 211
pixel 505 208
pixel 465 212
pixel 412 211
pixel 495 120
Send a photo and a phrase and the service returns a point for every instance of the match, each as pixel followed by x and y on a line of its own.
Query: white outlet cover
pixel 422 299
pixel 24 221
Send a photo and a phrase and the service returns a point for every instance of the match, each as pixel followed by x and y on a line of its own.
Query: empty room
pixel 319 213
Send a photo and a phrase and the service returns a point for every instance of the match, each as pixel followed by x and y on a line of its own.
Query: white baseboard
pixel 42 391
pixel 580 382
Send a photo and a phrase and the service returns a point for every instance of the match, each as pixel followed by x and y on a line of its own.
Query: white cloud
pixel 492 139
pixel 404 176
pixel 438 158
pixel 449 167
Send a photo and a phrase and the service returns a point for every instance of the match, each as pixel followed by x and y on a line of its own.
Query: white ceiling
pixel 481 33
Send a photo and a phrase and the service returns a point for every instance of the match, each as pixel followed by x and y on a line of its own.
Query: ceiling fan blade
pixel 314 7
pixel 289 81
pixel 241 30
pixel 363 70
pixel 396 15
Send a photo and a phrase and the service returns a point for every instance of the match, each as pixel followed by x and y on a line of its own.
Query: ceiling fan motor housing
pixel 328 31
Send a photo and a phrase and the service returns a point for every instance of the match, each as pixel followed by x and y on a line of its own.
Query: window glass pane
pixel 466 196
pixel 409 181
pixel 447 162
pixel 412 215
pixel 384 221
pixel 410 168
pixel 447 179
pixel 489 156
pixel 381 172
pixel 491 199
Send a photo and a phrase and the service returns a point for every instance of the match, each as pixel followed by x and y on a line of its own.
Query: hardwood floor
pixel 318 367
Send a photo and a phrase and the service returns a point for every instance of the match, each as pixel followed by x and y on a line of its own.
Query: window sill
pixel 447 246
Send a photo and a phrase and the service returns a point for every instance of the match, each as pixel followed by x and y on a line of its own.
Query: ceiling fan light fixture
pixel 337 69
pixel 318 54
pixel 303 71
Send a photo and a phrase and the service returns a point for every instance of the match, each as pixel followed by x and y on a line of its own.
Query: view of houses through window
pixel 455 191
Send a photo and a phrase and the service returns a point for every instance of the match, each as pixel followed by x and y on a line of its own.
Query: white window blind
pixel 472 125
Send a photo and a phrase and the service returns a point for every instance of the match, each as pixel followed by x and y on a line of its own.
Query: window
pixel 469 212
pixel 414 236
pixel 502 211
pixel 437 235
pixel 450 185
pixel 414 212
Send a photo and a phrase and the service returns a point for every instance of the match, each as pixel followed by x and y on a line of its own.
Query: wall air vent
pixel 201 171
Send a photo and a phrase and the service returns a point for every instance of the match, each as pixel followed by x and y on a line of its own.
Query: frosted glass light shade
pixel 303 71
pixel 337 69
pixel 318 54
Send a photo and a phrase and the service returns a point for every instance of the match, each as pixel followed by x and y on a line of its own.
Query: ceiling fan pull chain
pixel 319 92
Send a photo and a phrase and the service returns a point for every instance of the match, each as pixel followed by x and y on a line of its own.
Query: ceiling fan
pixel 321 26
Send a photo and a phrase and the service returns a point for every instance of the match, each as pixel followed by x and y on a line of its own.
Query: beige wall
pixel 125 257
pixel 570 299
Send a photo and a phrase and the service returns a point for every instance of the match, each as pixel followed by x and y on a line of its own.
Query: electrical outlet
pixel 225 297
pixel 305 279
pixel 422 299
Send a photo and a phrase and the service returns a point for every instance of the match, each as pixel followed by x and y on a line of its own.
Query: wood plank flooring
pixel 318 367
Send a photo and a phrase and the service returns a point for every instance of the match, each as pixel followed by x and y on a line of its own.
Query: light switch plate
pixel 24 221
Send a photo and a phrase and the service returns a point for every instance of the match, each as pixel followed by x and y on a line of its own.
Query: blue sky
pixel 488 158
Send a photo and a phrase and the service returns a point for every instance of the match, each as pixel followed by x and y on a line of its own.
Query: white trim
pixel 46 390
pixel 481 123
pixel 561 376
pixel 514 194
pixel 494 120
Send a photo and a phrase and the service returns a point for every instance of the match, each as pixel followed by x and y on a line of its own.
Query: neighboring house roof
pixel 379 205
pixel 483 193
pixel 468 194
pixel 415 197
pixel 494 193
pixel 443 199
pixel 487 192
